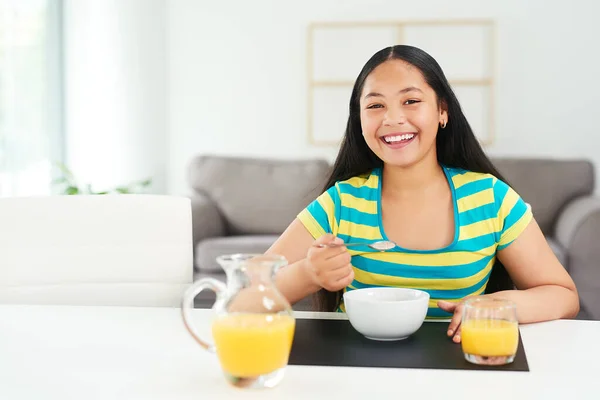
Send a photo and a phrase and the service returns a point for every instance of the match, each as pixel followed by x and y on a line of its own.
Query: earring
pixel 443 124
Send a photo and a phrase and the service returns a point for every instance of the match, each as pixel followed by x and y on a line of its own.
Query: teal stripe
pixel 455 171
pixel 333 193
pixel 365 249
pixel 477 243
pixel 474 187
pixel 363 192
pixel 420 272
pixel 358 217
pixel 319 215
pixel 500 190
pixel 346 238
pixel 438 313
pixel 457 219
pixel 352 239
pixel 478 214
pixel 518 210
pixel 437 294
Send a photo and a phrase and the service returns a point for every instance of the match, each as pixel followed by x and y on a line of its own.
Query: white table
pixel 63 352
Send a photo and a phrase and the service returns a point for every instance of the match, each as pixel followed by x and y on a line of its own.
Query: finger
pixel 328 271
pixel 338 273
pixel 338 261
pixel 330 253
pixel 328 238
pixel 344 281
pixel 455 321
pixel 457 336
pixel 347 281
pixel 318 245
pixel 446 306
pixel 326 253
pixel 330 263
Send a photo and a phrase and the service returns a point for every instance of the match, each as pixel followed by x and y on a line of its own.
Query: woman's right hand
pixel 329 267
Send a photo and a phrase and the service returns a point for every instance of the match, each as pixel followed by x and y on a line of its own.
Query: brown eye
pixel 412 101
pixel 374 106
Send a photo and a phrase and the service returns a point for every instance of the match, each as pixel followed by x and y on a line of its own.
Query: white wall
pixel 236 74
pixel 115 80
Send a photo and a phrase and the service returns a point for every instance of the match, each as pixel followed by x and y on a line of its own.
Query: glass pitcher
pixel 254 325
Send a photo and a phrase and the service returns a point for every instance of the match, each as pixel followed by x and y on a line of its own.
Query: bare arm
pixel 310 268
pixel 293 280
pixel 547 291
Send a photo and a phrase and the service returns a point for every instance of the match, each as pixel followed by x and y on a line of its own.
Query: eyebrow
pixel 405 90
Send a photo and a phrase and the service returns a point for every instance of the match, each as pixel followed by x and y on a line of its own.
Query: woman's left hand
pixel 457 310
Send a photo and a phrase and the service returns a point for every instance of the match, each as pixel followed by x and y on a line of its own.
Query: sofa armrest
pixel 578 230
pixel 207 220
pixel 573 216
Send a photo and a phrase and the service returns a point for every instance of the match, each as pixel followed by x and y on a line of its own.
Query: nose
pixel 394 116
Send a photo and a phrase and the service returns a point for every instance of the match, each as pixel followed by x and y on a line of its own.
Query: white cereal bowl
pixel 386 313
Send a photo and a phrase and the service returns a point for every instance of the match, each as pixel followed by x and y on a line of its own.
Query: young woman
pixel 410 170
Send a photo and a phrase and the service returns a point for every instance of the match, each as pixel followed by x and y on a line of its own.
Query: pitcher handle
pixel 187 305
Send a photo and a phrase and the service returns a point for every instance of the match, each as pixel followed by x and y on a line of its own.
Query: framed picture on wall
pixel 338 50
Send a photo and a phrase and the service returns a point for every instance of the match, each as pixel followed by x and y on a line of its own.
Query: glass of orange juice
pixel 489 331
pixel 254 325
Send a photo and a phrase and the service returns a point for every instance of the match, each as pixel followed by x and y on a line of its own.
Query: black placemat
pixel 337 343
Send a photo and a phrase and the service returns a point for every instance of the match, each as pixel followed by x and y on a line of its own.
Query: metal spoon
pixel 381 245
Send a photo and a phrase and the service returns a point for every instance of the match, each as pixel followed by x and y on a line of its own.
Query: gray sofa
pixel 244 204
pixel 561 194
pixel 241 205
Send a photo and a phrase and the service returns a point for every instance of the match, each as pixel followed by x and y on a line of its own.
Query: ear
pixel 443 110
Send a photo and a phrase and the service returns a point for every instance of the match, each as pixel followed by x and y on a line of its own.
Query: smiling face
pixel 400 114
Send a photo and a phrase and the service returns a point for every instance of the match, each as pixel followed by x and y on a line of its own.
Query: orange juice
pixel 253 344
pixel 489 337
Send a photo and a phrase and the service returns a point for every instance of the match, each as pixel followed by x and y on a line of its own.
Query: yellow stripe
pixel 362 205
pixel 475 200
pixel 311 224
pixel 369 278
pixel 359 230
pixel 433 302
pixel 477 229
pixel 462 179
pixel 514 231
pixel 328 205
pixel 434 259
pixel 510 199
pixel 372 181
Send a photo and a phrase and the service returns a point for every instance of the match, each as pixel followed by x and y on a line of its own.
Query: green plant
pixel 68 185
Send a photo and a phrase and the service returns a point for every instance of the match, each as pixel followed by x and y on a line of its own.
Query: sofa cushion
pixel 258 196
pixel 208 250
pixel 585 265
pixel 548 185
pixel 559 251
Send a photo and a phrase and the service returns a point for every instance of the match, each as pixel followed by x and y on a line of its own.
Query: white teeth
pixel 399 138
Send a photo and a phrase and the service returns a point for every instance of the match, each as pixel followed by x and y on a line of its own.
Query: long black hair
pixel 457 147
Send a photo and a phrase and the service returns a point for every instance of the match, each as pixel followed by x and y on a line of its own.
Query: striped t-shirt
pixel 488 216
